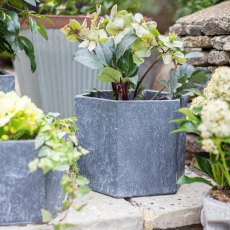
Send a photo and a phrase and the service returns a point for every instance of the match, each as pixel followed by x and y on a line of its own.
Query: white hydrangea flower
pixel 198 102
pixel 219 85
pixel 215 117
pixel 209 146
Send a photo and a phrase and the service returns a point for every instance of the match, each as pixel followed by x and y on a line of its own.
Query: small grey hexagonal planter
pixel 215 214
pixel 132 152
pixel 7 82
pixel 24 194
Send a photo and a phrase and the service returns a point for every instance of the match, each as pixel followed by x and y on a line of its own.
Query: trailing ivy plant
pixel 118 44
pixel 55 143
pixel 12 15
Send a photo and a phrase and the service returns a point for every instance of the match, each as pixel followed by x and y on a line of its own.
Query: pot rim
pixel 208 198
pixel 59 21
pixel 86 95
pixel 4 73
pixel 17 141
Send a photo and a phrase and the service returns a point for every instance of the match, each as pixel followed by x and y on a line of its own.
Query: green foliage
pixel 10 22
pixel 184 80
pixel 186 7
pixel 83 7
pixel 121 42
pixel 216 165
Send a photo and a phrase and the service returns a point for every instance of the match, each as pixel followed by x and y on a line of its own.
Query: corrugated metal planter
pixel 57 78
pixel 215 214
pixel 7 82
pixel 131 150
pixel 24 194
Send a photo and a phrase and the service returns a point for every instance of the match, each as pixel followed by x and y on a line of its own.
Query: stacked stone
pixel 208 32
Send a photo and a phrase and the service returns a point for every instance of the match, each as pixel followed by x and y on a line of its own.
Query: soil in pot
pixel 220 195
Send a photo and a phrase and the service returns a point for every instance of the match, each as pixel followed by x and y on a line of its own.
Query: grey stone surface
pixel 7 82
pixel 221 43
pixel 201 61
pixel 131 150
pixel 100 213
pixel 197 42
pixel 215 214
pixel 214 20
pixel 218 57
pixel 24 194
pixel 173 211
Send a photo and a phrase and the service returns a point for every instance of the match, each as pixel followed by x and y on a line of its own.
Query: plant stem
pixel 158 93
pixel 143 77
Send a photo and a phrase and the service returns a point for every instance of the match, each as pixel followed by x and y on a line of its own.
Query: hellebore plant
pixel 55 142
pixel 209 119
pixel 117 45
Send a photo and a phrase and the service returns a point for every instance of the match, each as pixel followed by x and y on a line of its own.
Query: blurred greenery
pixel 83 7
pixel 186 7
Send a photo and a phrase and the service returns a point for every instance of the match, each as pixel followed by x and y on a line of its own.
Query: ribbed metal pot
pixel 57 78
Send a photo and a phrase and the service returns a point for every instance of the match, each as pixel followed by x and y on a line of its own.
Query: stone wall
pixel 208 32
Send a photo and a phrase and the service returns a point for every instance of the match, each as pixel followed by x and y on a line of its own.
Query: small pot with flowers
pixel 209 119
pixel 127 129
pixel 29 139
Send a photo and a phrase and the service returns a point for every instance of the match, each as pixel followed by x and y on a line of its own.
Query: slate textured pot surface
pixel 7 82
pixel 131 150
pixel 215 214
pixel 24 194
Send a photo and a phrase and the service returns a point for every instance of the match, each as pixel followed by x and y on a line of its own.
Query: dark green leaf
pixel 109 74
pixel 190 180
pixel 126 42
pixel 198 77
pixel 204 165
pixel 88 59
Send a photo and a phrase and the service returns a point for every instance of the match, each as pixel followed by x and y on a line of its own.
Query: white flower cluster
pixel 215 113
pixel 219 85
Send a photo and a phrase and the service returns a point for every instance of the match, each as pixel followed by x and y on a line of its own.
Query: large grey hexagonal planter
pixel 24 194
pixel 7 82
pixel 132 152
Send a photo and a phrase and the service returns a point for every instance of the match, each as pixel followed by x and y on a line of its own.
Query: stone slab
pixel 216 57
pixel 221 43
pixel 101 213
pixel 172 211
pixel 7 82
pixel 197 42
pixel 214 20
pixel 201 61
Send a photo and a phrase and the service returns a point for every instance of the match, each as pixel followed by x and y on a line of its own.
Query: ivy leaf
pixel 126 42
pixel 46 216
pixel 109 74
pixel 82 180
pixel 88 59
pixel 83 190
pixel 190 180
pixel 33 25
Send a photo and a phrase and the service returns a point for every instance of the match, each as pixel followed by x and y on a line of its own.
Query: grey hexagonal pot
pixel 24 194
pixel 132 152
pixel 7 81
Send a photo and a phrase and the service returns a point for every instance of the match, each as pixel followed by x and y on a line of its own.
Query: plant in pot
pixel 48 88
pixel 209 119
pixel 29 139
pixel 12 14
pixel 127 129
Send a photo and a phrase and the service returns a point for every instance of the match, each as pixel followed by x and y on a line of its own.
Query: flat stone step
pixel 178 211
